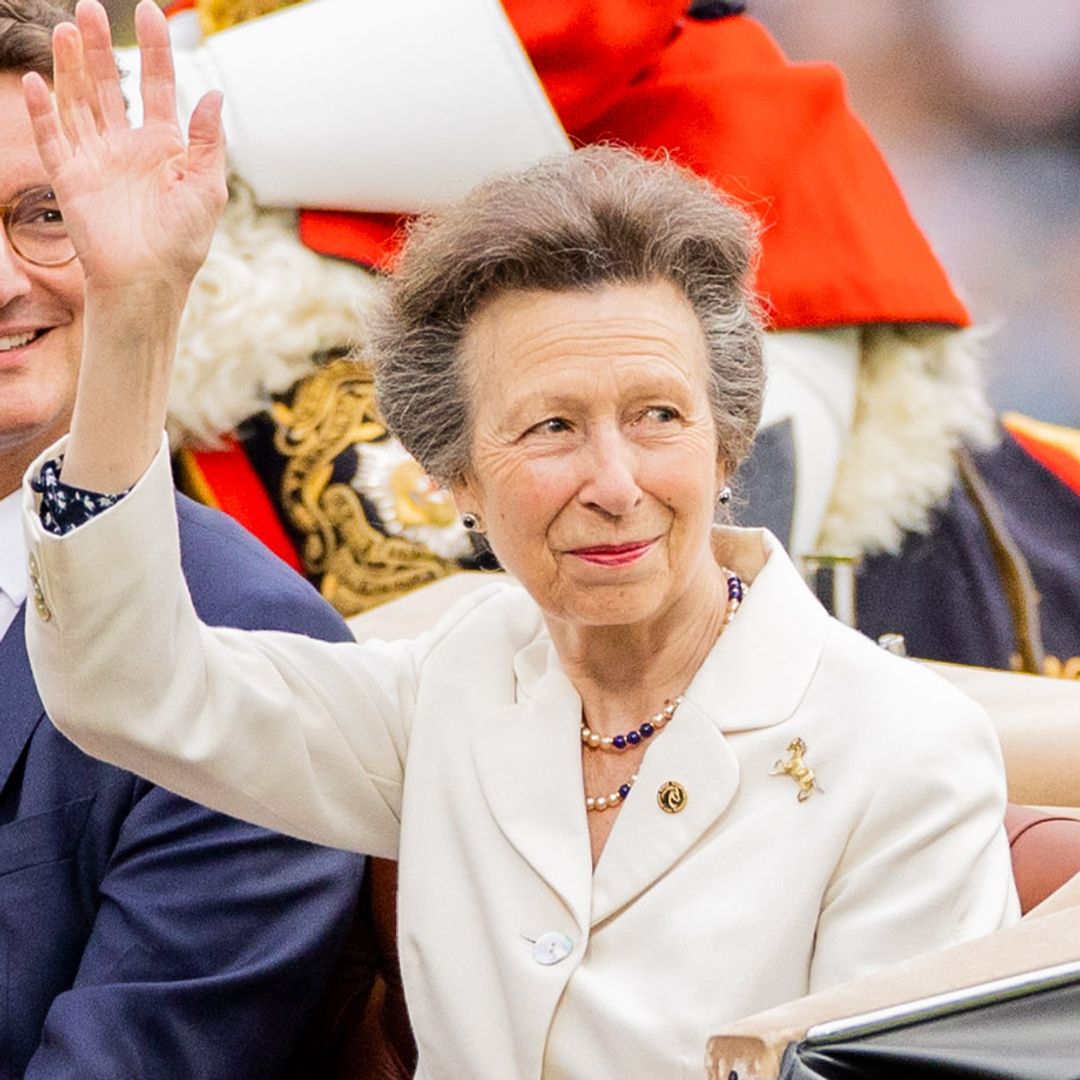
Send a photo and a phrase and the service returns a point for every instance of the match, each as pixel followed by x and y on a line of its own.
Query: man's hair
pixel 599 217
pixel 26 28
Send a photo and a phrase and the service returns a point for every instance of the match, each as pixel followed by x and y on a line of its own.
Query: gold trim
pixel 217 15
pixel 359 566
pixel 191 480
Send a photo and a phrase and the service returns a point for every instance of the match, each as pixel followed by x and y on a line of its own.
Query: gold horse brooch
pixel 798 770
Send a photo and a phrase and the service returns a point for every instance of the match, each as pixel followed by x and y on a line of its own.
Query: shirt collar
pixel 14 579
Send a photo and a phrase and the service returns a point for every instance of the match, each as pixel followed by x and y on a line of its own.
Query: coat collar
pixel 21 709
pixel 528 760
pixel 780 627
pixel 760 669
pixel 528 754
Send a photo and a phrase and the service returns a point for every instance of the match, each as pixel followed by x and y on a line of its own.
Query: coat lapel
pixel 20 707
pixel 528 755
pixel 755 676
pixel 647 841
pixel 528 759
pixel 760 669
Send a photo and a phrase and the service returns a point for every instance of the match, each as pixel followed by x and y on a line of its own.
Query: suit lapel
pixel 528 759
pixel 20 707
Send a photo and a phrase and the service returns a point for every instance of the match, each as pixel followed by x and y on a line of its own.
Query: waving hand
pixel 139 204
pixel 140 207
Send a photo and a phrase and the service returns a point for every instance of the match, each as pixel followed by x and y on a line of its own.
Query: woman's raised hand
pixel 140 205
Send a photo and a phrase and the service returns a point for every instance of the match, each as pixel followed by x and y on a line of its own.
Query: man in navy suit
pixel 141 936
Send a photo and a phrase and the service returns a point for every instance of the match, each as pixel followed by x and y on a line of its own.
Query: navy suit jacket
pixel 142 936
pixel 944 590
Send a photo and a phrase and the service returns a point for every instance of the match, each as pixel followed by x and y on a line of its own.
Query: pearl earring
pixel 725 495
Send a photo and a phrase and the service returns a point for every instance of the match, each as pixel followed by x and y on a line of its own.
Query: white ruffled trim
pixel 259 310
pixel 919 396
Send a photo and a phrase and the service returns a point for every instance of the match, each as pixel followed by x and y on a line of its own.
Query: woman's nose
pixel 610 484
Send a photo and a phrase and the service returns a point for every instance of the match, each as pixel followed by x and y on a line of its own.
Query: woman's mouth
pixel 614 554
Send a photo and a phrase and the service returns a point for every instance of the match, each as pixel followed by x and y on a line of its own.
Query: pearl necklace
pixel 592 740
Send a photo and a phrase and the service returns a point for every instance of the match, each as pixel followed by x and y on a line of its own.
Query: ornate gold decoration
pixel 798 770
pixel 672 797
pixel 360 566
pixel 215 15
pixel 407 502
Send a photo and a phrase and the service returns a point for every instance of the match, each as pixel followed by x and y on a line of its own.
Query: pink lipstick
pixel 614 554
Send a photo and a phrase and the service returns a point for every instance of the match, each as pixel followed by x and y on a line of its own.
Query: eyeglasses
pixel 36 230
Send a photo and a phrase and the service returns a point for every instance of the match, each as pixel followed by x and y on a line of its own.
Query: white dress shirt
pixel 13 576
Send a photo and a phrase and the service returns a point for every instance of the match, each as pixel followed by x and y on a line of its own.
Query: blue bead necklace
pixel 592 740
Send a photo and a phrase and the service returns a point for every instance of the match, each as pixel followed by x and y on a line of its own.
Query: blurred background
pixel 976 104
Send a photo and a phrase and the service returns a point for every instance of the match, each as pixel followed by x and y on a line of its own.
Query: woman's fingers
pixel 139 203
pixel 100 63
pixel 158 84
pixel 206 143
pixel 52 146
pixel 75 99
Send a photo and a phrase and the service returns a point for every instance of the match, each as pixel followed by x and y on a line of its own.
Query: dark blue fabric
pixel 64 507
pixel 710 10
pixel 943 591
pixel 142 936
pixel 767 482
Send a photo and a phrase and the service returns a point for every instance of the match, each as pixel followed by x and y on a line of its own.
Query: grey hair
pixel 601 216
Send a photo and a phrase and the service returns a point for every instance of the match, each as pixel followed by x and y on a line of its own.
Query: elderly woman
pixel 645 788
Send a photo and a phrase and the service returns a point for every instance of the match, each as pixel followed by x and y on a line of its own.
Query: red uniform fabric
pixel 1055 448
pixel 226 480
pixel 839 245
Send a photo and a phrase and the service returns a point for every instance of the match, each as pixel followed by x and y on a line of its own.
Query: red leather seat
pixel 1045 847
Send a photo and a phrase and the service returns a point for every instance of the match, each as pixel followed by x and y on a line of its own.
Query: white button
pixel 552 947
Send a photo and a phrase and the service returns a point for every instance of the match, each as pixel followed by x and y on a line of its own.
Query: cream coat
pixel 744 899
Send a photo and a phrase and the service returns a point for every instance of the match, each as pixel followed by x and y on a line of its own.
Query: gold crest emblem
pixel 332 414
pixel 672 797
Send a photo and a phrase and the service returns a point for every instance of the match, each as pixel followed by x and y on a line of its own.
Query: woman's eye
pixel 661 414
pixel 553 425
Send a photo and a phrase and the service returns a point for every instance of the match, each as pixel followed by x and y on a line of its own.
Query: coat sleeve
pixel 210 942
pixel 927 864
pixel 301 736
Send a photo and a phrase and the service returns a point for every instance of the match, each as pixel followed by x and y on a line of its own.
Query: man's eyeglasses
pixel 35 228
